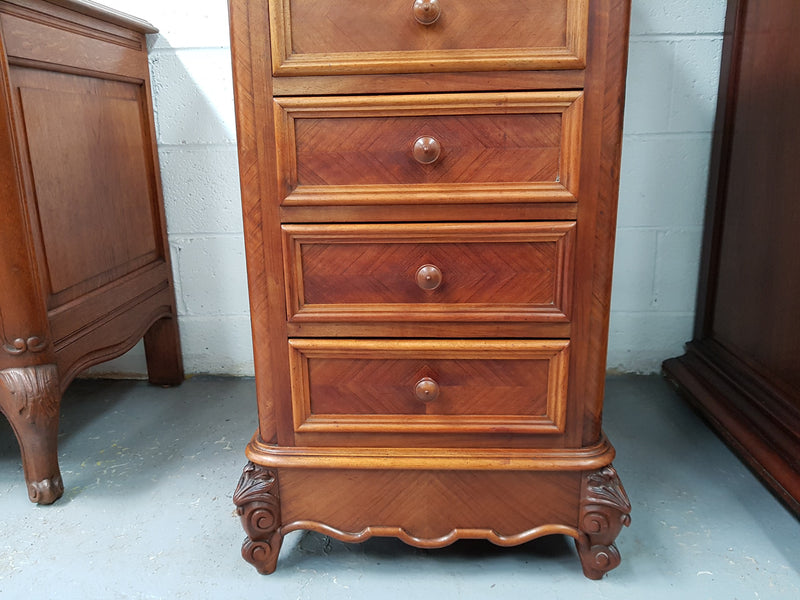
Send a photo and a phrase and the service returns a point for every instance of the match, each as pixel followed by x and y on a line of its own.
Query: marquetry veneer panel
pixel 517 147
pixel 503 271
pixel 325 37
pixel 509 508
pixel 476 386
pixel 429 194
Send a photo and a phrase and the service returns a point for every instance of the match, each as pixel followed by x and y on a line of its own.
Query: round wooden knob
pixel 429 277
pixel 427 390
pixel 426 150
pixel 427 12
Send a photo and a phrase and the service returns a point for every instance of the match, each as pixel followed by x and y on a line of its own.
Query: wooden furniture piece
pixel 742 369
pixel 84 261
pixel 429 193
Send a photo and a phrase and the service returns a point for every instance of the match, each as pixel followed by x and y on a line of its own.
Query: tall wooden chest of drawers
pixel 429 194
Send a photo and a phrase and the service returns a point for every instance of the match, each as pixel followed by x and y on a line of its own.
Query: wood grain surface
pixel 85 271
pixel 742 369
pixel 429 216
pixel 494 148
pixel 313 37
pixel 508 271
pixel 483 386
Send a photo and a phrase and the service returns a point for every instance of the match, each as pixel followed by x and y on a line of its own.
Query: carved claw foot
pixel 605 510
pixel 258 504
pixel 30 399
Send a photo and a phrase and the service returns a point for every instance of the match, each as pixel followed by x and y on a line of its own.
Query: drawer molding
pixel 551 421
pixel 426 184
pixel 586 458
pixel 569 54
pixel 555 280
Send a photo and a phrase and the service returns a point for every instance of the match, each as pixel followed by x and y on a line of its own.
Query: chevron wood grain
pixel 368 272
pixel 482 386
pixel 429 212
pixel 494 147
pixel 314 37
pixel 422 503
pixel 477 148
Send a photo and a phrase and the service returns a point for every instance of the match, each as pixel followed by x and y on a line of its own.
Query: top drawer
pixel 334 37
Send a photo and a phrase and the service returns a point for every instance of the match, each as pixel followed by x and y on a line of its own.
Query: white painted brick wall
pixel 672 86
pixel 673 74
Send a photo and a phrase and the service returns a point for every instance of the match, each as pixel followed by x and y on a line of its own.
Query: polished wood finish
pixel 498 271
pixel 85 269
pixel 398 83
pixel 480 386
pixel 429 222
pixel 429 277
pixel 742 369
pixel 524 457
pixel 522 507
pixel 320 37
pixel 492 502
pixel 427 12
pixel 491 148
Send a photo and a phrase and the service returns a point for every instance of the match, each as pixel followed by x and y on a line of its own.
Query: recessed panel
pixel 91 178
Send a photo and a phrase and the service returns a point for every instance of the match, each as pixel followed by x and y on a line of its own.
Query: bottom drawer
pixel 431 386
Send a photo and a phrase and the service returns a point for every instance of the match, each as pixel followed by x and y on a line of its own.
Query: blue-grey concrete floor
pixel 147 513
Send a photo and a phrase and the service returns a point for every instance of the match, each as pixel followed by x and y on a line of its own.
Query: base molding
pixel 752 418
pixel 433 508
pixel 459 459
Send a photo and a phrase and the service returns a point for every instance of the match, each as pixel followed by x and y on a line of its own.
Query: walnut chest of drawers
pixel 429 195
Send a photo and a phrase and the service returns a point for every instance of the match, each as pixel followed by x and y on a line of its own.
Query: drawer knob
pixel 426 150
pixel 429 277
pixel 427 12
pixel 427 390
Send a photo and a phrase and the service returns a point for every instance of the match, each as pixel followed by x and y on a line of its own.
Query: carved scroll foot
pixel 258 504
pixel 605 510
pixel 30 399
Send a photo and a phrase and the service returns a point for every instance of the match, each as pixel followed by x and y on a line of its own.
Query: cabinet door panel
pixel 92 173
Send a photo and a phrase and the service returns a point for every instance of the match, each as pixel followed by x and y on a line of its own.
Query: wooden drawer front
pixel 319 37
pixel 497 271
pixel 488 148
pixel 473 386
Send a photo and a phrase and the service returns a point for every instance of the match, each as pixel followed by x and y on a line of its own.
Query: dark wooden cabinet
pixel 429 193
pixel 84 261
pixel 742 369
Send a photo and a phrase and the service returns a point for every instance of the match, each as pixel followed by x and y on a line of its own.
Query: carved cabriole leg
pixel 30 399
pixel 605 509
pixel 258 502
